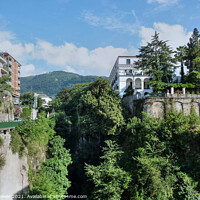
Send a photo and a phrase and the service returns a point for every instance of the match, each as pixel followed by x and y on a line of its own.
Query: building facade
pixel 124 74
pixel 12 67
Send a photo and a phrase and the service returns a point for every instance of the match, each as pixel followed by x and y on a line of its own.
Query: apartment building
pixel 12 67
pixel 124 74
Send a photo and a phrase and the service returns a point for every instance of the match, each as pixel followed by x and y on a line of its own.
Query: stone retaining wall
pixel 157 106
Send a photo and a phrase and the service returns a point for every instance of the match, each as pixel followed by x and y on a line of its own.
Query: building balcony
pixel 126 65
pixel 4 70
pixel 2 60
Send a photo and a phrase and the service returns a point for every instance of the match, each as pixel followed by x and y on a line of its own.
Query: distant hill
pixel 50 83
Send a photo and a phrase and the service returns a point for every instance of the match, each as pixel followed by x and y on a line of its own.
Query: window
pixel 128 61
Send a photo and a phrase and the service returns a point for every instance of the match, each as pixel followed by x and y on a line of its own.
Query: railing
pixel 9 124
pixel 2 59
pixel 126 65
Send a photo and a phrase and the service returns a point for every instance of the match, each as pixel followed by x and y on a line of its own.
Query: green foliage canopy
pixel 109 178
pixel 156 60
pixel 51 179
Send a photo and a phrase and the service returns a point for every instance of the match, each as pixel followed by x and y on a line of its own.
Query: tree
pixel 100 109
pixel 181 56
pixel 109 178
pixel 26 113
pixel 194 78
pixel 162 156
pixel 52 177
pixel 64 95
pixel 95 113
pixel 27 98
pixel 39 102
pixel 193 51
pixel 156 59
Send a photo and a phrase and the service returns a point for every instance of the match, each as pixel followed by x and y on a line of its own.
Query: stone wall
pixel 14 174
pixel 157 106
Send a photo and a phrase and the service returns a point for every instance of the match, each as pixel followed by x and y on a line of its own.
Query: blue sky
pixel 86 36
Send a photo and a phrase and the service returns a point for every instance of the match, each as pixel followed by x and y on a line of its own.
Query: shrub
pixel 1 141
pixel 26 113
pixel 16 143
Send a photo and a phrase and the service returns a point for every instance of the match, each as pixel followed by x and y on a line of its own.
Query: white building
pixel 124 73
pixel 45 99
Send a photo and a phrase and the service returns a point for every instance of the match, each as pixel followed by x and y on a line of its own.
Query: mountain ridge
pixel 50 83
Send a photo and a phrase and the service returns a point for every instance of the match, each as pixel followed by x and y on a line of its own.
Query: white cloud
pixel 6 35
pixel 68 56
pixel 98 61
pixel 163 1
pixel 70 69
pixel 175 34
pixel 114 21
pixel 28 70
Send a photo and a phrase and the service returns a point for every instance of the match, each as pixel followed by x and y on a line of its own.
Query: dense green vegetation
pixel 120 157
pixel 26 113
pixel 48 159
pixel 50 83
pixel 52 176
pixel 113 155
pixel 109 178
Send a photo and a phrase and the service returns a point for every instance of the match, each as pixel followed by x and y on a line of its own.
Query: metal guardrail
pixel 9 124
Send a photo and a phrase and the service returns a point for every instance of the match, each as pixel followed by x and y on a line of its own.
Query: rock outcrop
pixel 14 174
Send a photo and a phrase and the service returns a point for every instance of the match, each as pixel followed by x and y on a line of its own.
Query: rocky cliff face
pixel 14 174
pixel 6 107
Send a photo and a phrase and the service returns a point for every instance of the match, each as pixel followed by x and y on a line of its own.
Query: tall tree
pixel 109 178
pixel 156 59
pixel 193 52
pixel 181 56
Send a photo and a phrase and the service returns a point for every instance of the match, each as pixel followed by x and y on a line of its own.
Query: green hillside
pixel 50 83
